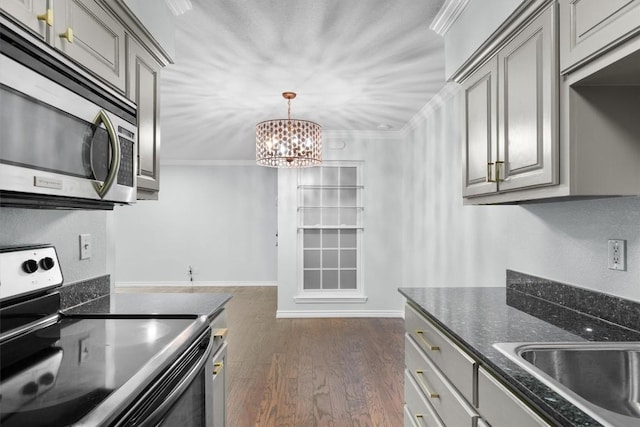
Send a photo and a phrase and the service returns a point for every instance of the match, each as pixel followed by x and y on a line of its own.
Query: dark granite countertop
pixel 480 317
pixel 207 304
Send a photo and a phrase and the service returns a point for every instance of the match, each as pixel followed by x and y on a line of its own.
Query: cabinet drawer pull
pixel 67 35
pixel 220 333
pixel 217 368
pixel 427 343
pixel 47 17
pixel 423 382
pixel 420 419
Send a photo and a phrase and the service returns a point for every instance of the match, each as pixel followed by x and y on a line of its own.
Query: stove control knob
pixel 30 389
pixel 47 263
pixel 30 266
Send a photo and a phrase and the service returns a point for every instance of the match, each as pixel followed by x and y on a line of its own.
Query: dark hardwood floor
pixel 308 372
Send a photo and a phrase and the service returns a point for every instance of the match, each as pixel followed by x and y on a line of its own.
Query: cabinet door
pixel 143 87
pixel 528 106
pixel 590 27
pixel 30 13
pixel 501 408
pixel 480 138
pixel 88 34
pixel 219 387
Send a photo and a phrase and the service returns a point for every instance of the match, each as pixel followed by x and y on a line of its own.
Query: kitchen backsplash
pixel 83 291
pixel 609 308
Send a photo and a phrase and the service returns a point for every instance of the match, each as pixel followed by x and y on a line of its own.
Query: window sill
pixel 330 299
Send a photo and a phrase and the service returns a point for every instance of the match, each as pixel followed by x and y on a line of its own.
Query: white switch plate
pixel 85 246
pixel 617 256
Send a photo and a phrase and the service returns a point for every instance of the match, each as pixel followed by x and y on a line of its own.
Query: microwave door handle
pixel 114 166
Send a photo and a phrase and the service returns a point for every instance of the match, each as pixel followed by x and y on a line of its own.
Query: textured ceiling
pixel 355 64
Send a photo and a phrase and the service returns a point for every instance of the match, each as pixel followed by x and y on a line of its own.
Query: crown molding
pixel 447 15
pixel 195 162
pixel 390 135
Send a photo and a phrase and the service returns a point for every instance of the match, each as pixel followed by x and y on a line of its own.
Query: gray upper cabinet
pixel 527 107
pixel 107 39
pixel 480 147
pixel 32 14
pixel 143 87
pixel 87 33
pixel 591 27
pixel 511 114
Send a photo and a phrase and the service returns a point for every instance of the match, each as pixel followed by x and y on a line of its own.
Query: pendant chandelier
pixel 288 143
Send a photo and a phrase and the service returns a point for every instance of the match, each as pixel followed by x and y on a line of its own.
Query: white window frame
pixel 330 296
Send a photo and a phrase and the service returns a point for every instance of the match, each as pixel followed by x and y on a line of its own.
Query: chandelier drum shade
pixel 288 143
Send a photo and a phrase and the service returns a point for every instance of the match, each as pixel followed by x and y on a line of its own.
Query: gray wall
pixel 448 244
pixel 60 228
pixel 221 220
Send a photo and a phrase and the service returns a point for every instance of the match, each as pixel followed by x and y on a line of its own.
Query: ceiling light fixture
pixel 288 143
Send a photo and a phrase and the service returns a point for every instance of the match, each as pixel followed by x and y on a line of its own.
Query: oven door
pixel 182 396
pixel 55 142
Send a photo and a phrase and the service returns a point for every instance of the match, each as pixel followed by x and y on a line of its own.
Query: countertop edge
pixel 101 306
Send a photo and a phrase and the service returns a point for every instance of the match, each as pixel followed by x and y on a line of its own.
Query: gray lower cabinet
pixel 219 361
pixel 219 387
pixel 418 412
pixel 87 33
pixel 445 386
pixel 436 348
pixel 500 407
pixel 590 27
pixel 143 87
pixel 34 15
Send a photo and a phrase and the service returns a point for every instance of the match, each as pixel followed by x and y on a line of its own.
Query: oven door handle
pixel 114 143
pixel 177 392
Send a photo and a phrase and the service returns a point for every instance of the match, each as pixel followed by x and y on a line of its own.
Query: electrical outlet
pixel 83 346
pixel 85 246
pixel 617 257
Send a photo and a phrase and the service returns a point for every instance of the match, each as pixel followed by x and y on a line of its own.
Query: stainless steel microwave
pixel 66 140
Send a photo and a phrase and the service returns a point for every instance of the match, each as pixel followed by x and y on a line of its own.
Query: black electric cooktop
pixel 56 375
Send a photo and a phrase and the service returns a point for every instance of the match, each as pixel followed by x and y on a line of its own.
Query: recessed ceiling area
pixel 356 65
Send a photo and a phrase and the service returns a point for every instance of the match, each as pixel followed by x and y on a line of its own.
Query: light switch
pixel 85 246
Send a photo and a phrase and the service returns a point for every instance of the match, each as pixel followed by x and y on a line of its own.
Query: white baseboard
pixel 190 284
pixel 293 314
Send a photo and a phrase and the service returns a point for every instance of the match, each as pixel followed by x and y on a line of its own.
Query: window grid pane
pixel 330 253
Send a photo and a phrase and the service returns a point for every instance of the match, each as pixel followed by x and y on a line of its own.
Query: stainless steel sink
pixel 603 379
